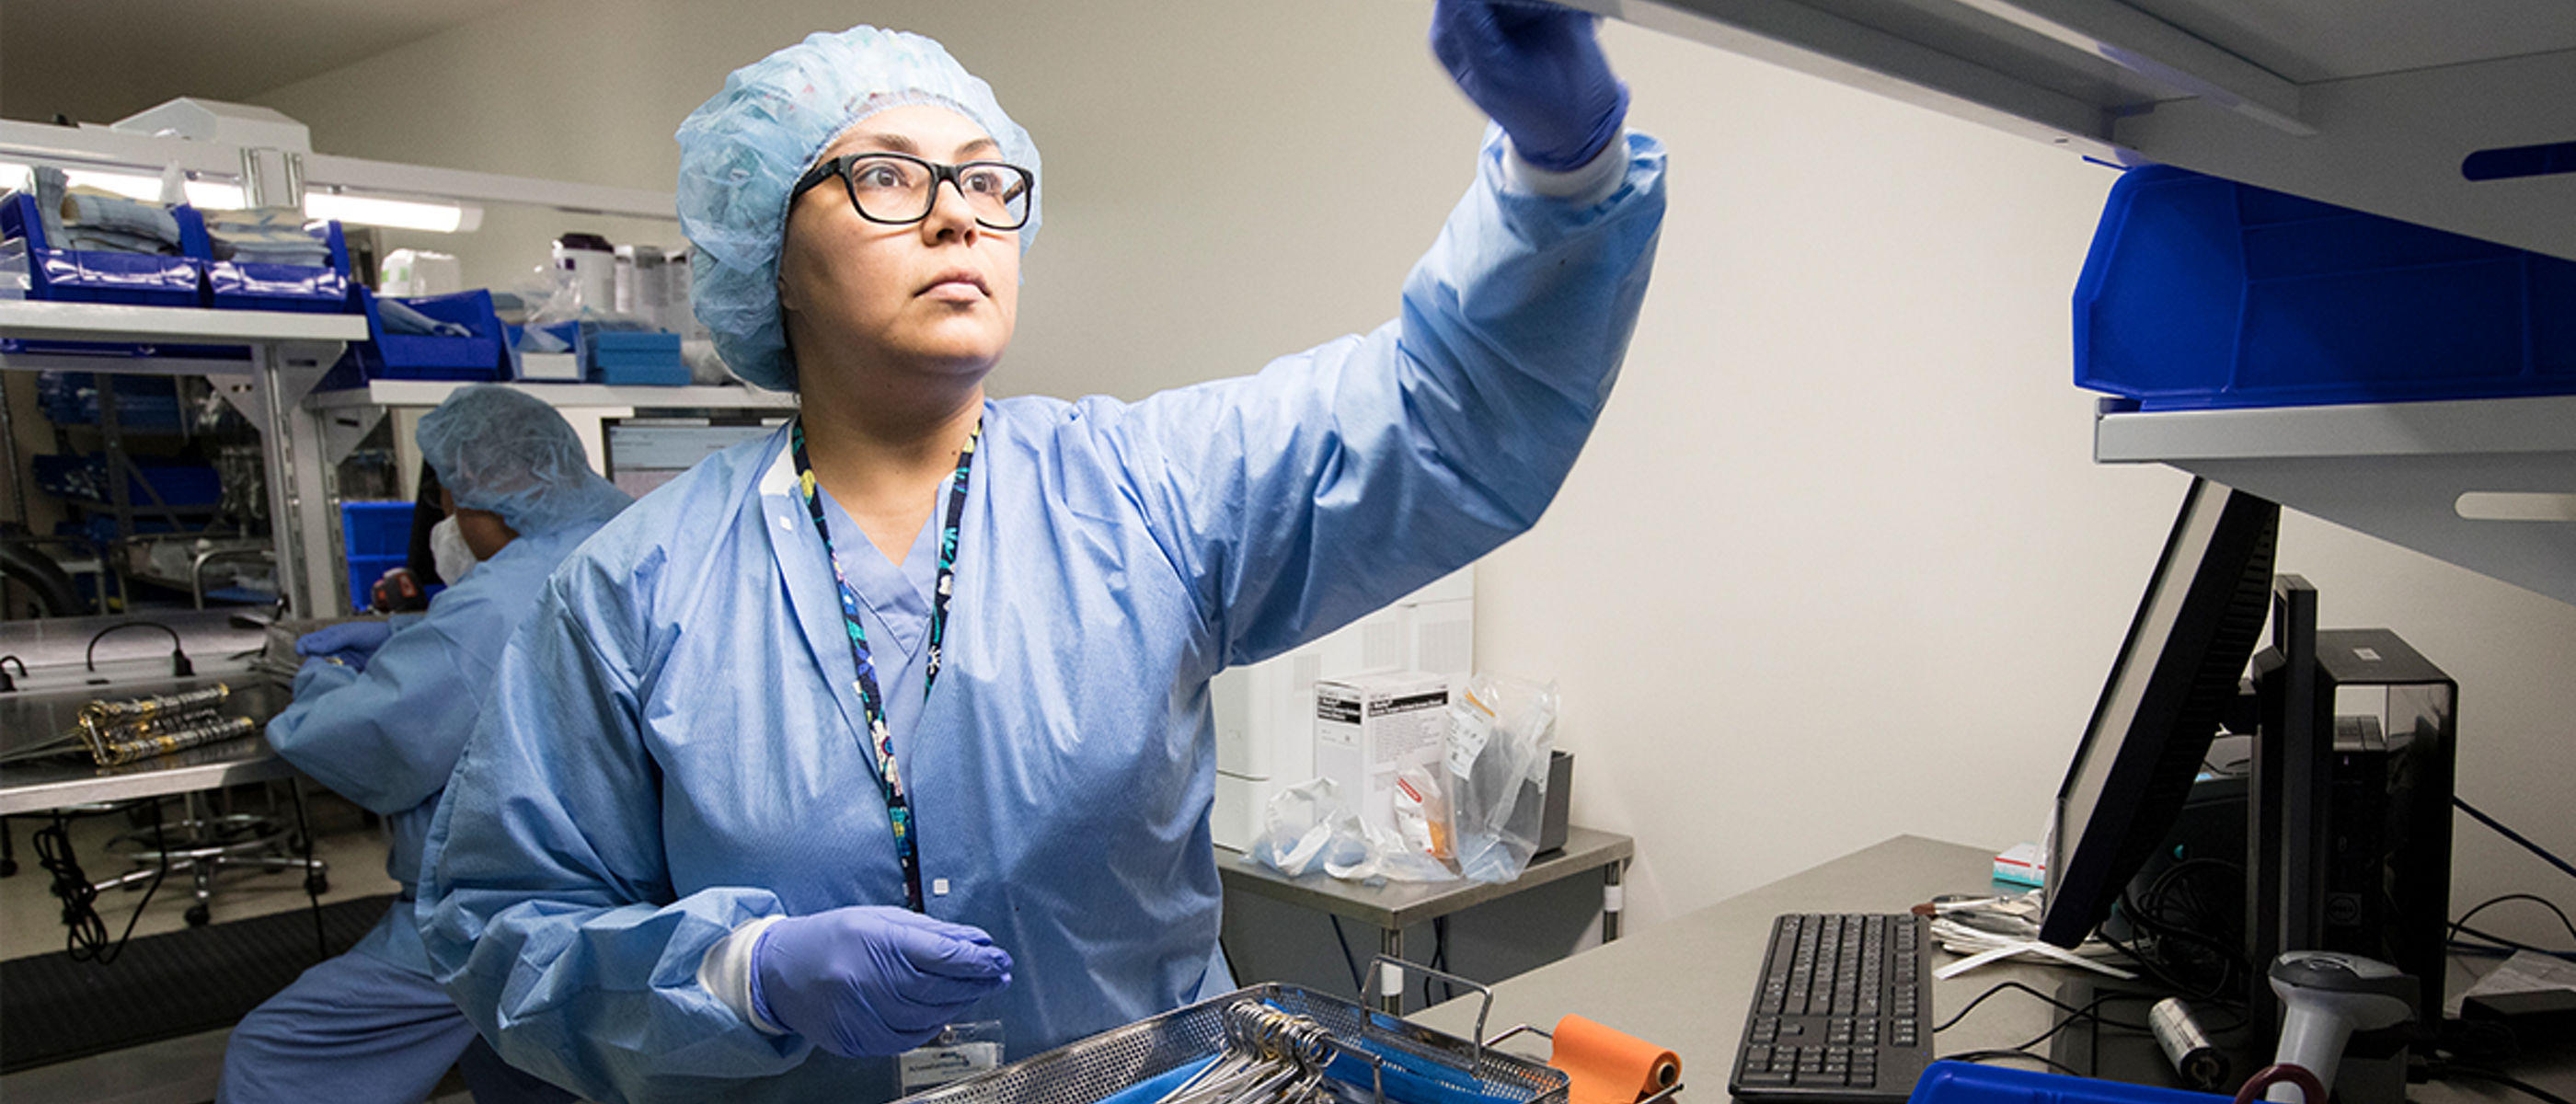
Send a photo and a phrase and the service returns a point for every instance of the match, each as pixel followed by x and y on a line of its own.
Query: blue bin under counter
pixel 375 537
pixel 100 276
pixel 2204 293
pixel 260 285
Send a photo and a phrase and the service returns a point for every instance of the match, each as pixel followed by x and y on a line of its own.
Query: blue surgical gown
pixel 675 748
pixel 388 737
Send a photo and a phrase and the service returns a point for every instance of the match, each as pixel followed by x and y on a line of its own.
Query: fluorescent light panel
pixel 403 214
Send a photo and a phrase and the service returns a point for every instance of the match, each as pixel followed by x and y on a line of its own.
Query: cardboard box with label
pixel 1370 728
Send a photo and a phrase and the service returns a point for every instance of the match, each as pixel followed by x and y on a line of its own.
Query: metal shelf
pixel 425 393
pixel 39 320
pixel 2367 104
pixel 2488 484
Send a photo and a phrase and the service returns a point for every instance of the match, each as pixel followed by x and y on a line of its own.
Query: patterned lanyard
pixel 907 849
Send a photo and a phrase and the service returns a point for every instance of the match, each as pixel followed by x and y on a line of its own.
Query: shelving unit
pixel 288 353
pixel 2375 105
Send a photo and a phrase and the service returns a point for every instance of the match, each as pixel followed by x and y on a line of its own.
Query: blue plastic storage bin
pixel 2201 292
pixel 143 403
pixel 83 476
pixel 375 537
pixel 1969 1083
pixel 258 285
pixel 387 355
pixel 649 358
pixel 95 276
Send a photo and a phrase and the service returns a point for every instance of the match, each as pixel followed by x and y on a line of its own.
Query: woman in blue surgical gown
pixel 900 717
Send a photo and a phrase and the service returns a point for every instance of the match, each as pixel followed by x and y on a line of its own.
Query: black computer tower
pixel 2349 800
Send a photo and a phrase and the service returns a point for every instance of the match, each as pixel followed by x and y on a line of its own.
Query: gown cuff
pixel 725 972
pixel 1583 185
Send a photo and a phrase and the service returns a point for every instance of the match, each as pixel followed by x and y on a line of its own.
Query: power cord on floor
pixel 313 883
pixel 86 941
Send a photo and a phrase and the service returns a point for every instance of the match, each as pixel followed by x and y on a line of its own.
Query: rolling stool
pixel 207 842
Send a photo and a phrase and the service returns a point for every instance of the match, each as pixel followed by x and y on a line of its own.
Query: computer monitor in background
pixel 644 453
pixel 2176 676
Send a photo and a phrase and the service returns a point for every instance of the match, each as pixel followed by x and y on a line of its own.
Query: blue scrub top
pixel 675 748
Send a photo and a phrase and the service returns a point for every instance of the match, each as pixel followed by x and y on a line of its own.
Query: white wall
pixel 1837 564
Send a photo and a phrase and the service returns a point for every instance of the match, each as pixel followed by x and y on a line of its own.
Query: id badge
pixel 961 1050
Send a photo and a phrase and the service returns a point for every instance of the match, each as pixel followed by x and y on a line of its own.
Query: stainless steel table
pixel 1686 983
pixel 1391 907
pixel 36 785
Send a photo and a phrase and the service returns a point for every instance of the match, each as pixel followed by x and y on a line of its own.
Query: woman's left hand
pixel 1536 69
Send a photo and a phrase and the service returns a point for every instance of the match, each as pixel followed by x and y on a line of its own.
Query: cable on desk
pixel 2092 1010
pixel 2462 924
pixel 2213 934
pixel 2517 837
pixel 1992 1055
pixel 1999 987
pixel 2445 1072
pixel 2499 946
pixel 86 941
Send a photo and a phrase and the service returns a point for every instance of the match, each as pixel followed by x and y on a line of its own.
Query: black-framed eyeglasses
pixel 898 189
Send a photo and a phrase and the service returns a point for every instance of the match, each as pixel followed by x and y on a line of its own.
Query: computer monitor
pixel 2175 678
pixel 646 452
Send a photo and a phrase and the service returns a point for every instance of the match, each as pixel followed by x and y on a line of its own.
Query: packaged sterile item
pixel 1500 732
pixel 1370 729
pixel 419 272
pixel 1422 813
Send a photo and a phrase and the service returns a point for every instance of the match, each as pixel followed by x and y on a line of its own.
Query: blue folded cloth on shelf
pixel 93 213
pixel 266 235
pixel 99 240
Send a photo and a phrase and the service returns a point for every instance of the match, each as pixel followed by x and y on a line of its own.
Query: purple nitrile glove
pixel 352 642
pixel 871 980
pixel 1536 69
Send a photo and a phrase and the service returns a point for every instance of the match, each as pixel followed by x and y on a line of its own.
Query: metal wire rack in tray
pixel 1396 1053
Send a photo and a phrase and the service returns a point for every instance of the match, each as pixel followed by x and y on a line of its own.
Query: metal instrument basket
pixel 1105 1064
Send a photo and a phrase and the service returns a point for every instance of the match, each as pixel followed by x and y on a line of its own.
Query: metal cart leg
pixel 1612 899
pixel 1390 943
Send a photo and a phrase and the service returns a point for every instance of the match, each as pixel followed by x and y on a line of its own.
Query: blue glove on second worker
pixel 350 642
pixel 1536 69
pixel 869 980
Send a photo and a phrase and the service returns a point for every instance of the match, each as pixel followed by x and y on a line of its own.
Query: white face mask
pixel 447 550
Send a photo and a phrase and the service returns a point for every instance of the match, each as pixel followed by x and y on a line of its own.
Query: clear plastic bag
pixel 1501 731
pixel 1309 827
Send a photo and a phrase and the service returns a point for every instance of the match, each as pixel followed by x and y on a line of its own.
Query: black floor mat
pixel 164 986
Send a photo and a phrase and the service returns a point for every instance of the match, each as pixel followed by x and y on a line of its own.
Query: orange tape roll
pixel 1609 1066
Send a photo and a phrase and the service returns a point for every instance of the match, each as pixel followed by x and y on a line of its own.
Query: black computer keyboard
pixel 1842 1012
